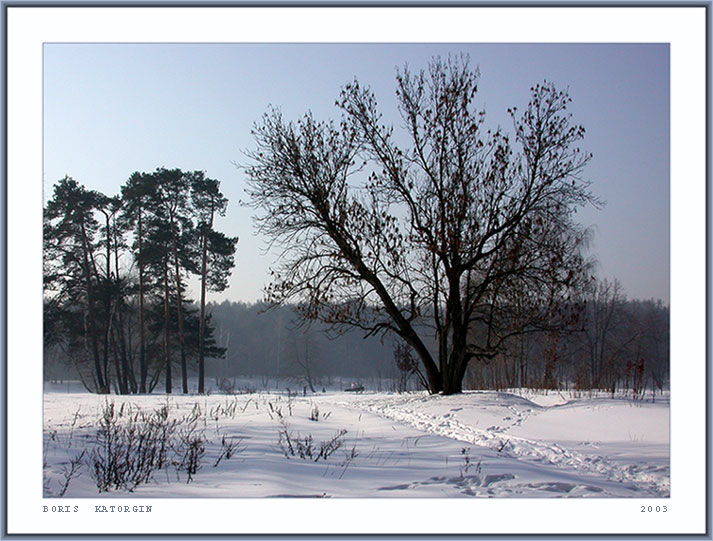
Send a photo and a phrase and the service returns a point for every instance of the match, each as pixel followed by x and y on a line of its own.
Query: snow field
pixel 486 444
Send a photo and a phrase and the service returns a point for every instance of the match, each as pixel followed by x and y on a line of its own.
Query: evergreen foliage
pixel 115 278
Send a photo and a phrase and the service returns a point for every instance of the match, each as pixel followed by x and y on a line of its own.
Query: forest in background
pixel 623 345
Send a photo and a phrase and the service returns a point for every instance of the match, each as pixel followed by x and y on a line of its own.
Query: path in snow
pixel 409 409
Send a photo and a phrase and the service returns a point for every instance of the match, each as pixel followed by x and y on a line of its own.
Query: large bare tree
pixel 430 231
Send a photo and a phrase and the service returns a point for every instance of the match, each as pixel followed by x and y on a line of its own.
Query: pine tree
pixel 136 195
pixel 216 251
pixel 71 273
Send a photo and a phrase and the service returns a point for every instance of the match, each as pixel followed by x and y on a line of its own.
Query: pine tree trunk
pixel 102 382
pixel 201 329
pixel 90 337
pixel 118 332
pixel 120 368
pixel 107 302
pixel 166 332
pixel 179 313
pixel 143 368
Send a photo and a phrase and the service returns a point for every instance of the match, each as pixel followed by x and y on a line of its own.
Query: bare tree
pixel 604 316
pixel 407 366
pixel 305 356
pixel 427 239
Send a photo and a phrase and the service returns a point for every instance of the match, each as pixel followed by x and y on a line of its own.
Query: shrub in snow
pixel 228 448
pixel 305 447
pixel 128 451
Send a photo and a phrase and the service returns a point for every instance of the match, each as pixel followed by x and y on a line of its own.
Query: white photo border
pixel 684 28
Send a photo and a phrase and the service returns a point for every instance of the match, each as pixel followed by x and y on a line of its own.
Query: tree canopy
pixel 432 232
pixel 101 290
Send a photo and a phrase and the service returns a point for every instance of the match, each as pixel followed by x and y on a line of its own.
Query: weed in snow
pixel 228 448
pixel 129 452
pixel 468 463
pixel 70 472
pixel 315 414
pixel 296 445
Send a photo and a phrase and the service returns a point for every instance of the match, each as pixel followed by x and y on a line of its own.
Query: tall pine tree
pixel 216 251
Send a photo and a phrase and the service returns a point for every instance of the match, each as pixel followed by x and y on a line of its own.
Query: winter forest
pixel 430 273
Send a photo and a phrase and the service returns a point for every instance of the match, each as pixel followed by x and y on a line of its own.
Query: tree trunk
pixel 143 368
pixel 119 331
pixel 90 336
pixel 201 329
pixel 166 332
pixel 452 385
pixel 179 314
pixel 121 378
pixel 102 382
pixel 107 300
pixel 119 339
pixel 124 347
pixel 433 376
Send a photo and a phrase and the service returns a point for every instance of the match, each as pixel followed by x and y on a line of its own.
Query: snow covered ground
pixel 372 444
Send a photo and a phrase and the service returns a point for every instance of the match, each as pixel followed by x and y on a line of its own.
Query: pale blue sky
pixel 110 110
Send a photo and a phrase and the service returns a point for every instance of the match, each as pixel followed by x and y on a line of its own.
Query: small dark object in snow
pixel 355 388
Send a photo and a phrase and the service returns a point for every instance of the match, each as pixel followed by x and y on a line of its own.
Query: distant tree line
pixel 116 269
pixel 615 344
pixel 265 341
pixel 612 344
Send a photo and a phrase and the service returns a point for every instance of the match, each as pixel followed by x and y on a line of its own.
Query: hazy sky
pixel 110 110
